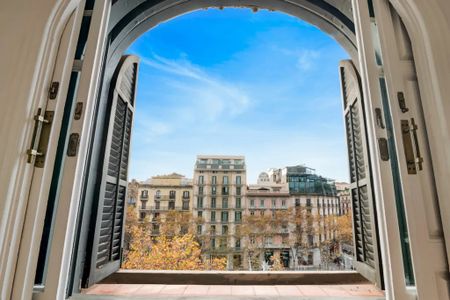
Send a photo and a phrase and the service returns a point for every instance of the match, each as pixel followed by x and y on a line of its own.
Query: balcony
pixel 164 208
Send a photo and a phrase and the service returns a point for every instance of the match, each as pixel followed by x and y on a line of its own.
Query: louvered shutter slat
pixel 111 212
pixel 364 223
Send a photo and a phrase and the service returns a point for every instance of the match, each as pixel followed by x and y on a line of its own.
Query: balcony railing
pixel 165 208
pixel 217 207
pixel 164 198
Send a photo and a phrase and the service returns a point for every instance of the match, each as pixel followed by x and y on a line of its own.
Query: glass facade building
pixel 303 180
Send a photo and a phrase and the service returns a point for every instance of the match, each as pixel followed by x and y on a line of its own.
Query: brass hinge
pixel 53 90
pixel 41 135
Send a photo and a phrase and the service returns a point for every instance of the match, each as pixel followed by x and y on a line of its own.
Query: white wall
pixel 29 31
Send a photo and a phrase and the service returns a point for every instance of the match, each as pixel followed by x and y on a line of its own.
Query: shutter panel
pixel 107 246
pixel 366 250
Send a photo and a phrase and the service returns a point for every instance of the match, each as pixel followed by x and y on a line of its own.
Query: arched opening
pixel 340 26
pixel 427 219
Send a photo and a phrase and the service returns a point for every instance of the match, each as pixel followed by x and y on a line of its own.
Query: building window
pixel 142 215
pixel 213 216
pixel 310 239
pixel 238 191
pixel 283 203
pixel 238 202
pixel 238 180
pixel 237 216
pixel 213 243
pixel 172 194
pixel 224 202
pixel 225 190
pixel 200 190
pixel 172 205
pixel 328 205
pixel 252 240
pixel 261 212
pixel 185 204
pixel 237 244
pixel 261 203
pixel 225 229
pixel 323 207
pixel 297 202
pixel 199 202
pixel 224 216
pixel 274 203
pixel 157 204
pixel 225 180
pixel 144 194
pixel 308 202
pixel 213 202
pixel 143 204
pixel 199 229
pixel 200 179
pixel 200 214
pixel 213 190
pixel 158 194
pixel 223 243
pixel 214 180
pixel 252 213
pixel 185 194
pixel 252 203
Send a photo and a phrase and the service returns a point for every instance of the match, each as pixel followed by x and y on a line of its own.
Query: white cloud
pixel 205 97
pixel 306 59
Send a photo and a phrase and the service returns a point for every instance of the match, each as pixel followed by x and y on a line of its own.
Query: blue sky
pixel 233 82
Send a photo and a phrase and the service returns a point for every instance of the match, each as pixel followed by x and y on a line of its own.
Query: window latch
pixel 41 134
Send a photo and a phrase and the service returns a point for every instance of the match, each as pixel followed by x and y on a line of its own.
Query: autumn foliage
pixel 164 252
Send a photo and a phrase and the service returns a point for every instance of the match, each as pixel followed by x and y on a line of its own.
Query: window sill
pixel 235 277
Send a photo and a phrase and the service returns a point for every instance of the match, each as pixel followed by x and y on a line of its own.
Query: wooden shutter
pixel 366 250
pixel 107 246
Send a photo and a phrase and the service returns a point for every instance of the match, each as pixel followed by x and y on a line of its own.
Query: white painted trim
pixel 425 21
pixel 42 177
pixel 26 83
pixel 381 170
pixel 428 25
pixel 422 214
pixel 72 175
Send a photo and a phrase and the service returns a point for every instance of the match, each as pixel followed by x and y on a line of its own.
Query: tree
pixel 303 225
pixel 256 229
pixel 131 221
pixel 344 229
pixel 328 244
pixel 179 252
pixel 133 190
pixel 173 248
pixel 276 263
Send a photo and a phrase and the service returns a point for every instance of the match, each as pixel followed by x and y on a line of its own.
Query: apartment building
pixel 269 202
pixel 162 194
pixel 219 189
pixel 312 203
pixel 344 197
